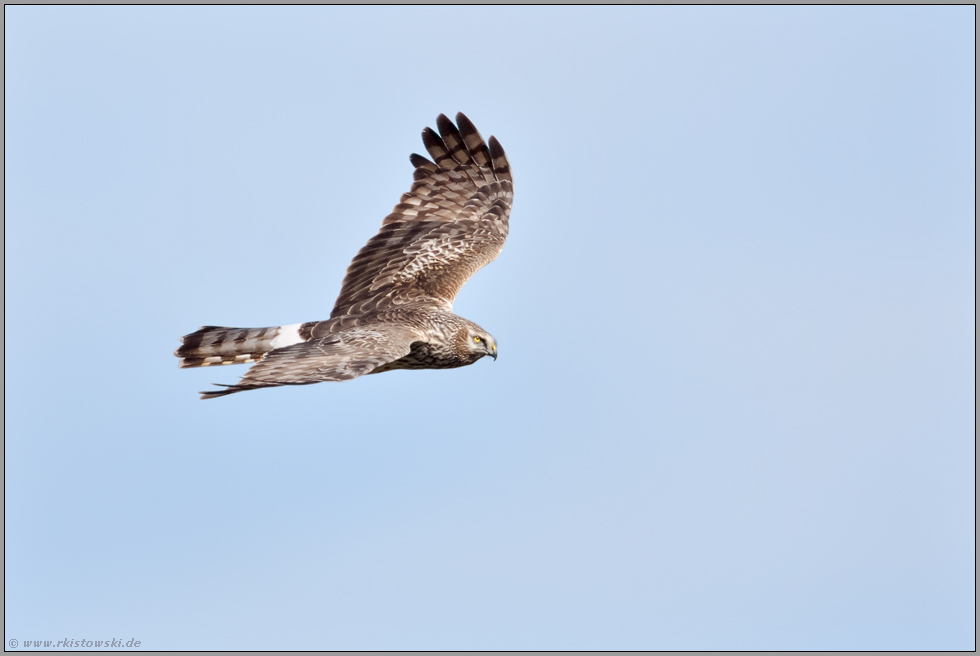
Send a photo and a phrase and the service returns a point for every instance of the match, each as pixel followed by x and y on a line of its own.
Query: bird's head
pixel 476 343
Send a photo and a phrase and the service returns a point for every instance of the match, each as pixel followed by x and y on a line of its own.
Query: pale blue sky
pixel 734 404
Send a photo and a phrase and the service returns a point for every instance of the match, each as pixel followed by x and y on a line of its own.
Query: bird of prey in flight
pixel 395 308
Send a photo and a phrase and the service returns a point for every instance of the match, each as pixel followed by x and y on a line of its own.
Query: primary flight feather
pixel 395 306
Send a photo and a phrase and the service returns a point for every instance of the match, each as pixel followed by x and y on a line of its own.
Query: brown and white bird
pixel 395 309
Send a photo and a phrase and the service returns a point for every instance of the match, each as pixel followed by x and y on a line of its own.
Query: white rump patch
pixel 287 336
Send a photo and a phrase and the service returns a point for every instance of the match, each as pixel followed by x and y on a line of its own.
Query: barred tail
pixel 217 345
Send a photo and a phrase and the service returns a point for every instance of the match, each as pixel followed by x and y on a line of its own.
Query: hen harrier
pixel 395 306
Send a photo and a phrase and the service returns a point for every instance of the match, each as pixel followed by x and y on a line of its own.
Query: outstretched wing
pixel 340 356
pixel 451 224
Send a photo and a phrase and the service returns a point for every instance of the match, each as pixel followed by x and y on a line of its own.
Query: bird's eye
pixel 477 340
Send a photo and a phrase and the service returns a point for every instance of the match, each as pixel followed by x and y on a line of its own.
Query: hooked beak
pixel 493 351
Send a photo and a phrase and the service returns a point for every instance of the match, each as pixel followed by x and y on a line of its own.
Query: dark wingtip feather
pixel 453 139
pixel 500 164
pixel 438 149
pixel 229 389
pixel 430 137
pixel 420 162
pixel 474 142
pixel 495 148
